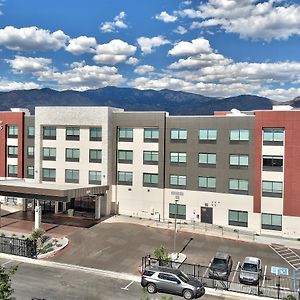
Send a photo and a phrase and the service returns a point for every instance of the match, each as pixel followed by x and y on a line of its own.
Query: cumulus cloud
pixel 81 45
pixel 147 44
pixel 31 39
pixel 6 85
pixel 118 22
pixel 132 61
pixel 143 69
pixel 165 17
pixel 114 52
pixel 180 30
pixel 280 94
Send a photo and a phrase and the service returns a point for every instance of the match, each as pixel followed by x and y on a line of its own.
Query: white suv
pixel 251 271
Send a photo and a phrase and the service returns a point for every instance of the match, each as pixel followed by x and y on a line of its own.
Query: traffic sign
pixel 280 271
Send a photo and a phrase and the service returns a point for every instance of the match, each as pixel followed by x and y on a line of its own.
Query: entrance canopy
pixel 48 191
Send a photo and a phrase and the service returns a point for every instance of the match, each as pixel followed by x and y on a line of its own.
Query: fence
pixel 271 286
pixel 20 247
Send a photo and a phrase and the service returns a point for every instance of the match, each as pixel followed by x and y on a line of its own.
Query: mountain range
pixel 176 103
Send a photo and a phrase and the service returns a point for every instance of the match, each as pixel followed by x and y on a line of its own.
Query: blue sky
pixel 215 47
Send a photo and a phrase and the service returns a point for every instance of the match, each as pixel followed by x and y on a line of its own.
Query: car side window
pixel 167 277
pixel 148 273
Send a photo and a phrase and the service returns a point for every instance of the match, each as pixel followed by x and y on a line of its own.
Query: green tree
pixel 289 297
pixel 6 290
pixel 162 255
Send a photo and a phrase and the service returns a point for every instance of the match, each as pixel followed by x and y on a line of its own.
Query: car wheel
pixel 151 288
pixel 188 294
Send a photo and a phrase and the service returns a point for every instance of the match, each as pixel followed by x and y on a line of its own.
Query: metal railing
pixel 20 247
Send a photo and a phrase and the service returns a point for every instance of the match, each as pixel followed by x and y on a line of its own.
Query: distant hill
pixel 176 103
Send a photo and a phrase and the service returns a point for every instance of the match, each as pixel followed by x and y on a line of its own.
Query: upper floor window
pixel 238 218
pixel 238 160
pixel 125 134
pixel 30 132
pixel 238 186
pixel 12 151
pixel 125 156
pixel 30 172
pixel 12 170
pixel 150 157
pixel 272 188
pixel 95 134
pixel 178 180
pixel 178 157
pixel 71 176
pixel 273 136
pixel 125 178
pixel 205 182
pixel 178 134
pixel 207 159
pixel 95 177
pixel 95 156
pixel 150 179
pixel 237 135
pixel 72 154
pixel 30 151
pixel 151 134
pixel 72 133
pixel 272 163
pixel 12 131
pixel 49 153
pixel 49 133
pixel 208 135
pixel 271 221
pixel 49 174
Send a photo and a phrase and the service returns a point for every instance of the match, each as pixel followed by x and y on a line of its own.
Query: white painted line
pixel 6 263
pixel 204 275
pixel 127 286
pixel 281 287
pixel 236 269
pixel 264 276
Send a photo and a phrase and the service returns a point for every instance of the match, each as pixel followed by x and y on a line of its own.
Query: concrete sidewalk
pixel 210 230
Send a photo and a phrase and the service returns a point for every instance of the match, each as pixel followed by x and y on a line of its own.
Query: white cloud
pixel 132 61
pixel 147 44
pixel 197 46
pixel 187 2
pixel 180 30
pixel 114 52
pixel 6 85
pixel 114 25
pixel 165 17
pixel 81 45
pixel 280 94
pixel 189 12
pixel 31 39
pixel 21 64
pixel 143 69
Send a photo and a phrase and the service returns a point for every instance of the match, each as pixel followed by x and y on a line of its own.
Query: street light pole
pixel 175 226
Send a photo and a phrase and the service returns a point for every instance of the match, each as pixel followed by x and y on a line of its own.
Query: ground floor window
pixel 180 213
pixel 238 218
pixel 271 221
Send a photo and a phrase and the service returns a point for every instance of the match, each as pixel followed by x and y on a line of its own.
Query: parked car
pixel 171 281
pixel 250 271
pixel 221 266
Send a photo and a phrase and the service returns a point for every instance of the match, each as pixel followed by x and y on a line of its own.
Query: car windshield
pixel 218 263
pixel 250 267
pixel 183 277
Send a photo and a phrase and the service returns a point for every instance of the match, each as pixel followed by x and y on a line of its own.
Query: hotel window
pixel 49 174
pixel 125 156
pixel 125 178
pixel 178 157
pixel 30 172
pixel 12 151
pixel 150 158
pixel 95 156
pixel 30 132
pixel 71 176
pixel 272 163
pixel 178 210
pixel 95 134
pixel 208 135
pixel 239 135
pixel 12 170
pixel 125 134
pixel 178 134
pixel 208 183
pixel 238 160
pixel 150 179
pixel 273 136
pixel 95 177
pixel 207 159
pixel 272 188
pixel 49 133
pixel 72 133
pixel 151 135
pixel 30 151
pixel 238 186
pixel 12 131
pixel 271 221
pixel 178 180
pixel 238 218
pixel 49 153
pixel 72 154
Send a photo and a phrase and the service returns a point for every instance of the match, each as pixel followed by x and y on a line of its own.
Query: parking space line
pixel 264 276
pixel 236 269
pixel 204 275
pixel 2 265
pixel 127 286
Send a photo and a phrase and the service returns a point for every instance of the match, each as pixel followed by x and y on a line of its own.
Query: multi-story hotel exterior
pixel 236 170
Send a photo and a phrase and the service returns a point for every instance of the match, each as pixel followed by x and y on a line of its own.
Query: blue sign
pixel 280 271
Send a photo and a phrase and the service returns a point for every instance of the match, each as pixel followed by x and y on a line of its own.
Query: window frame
pixel 273 141
pixel 97 159
pixel 271 226
pixel 72 158
pixel 238 190
pixel 151 154
pixel 72 179
pixel 240 139
pixel 150 182
pixel 238 157
pixel 52 132
pixel 98 174
pixel 29 135
pixel 272 167
pixel 273 192
pixel 95 137
pixel 206 163
pixel 128 156
pixel 50 156
pixel 15 170
pixel 12 131
pixel 127 134
pixel 239 221
pixel 127 175
pixel 180 208
pixel 151 139
pixel 181 135
pixel 28 173
pixel 48 178
pixel 179 156
pixel 13 153
pixel 73 133
pixel 181 180
pixel 210 134
pixel 207 187
pixel 30 154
